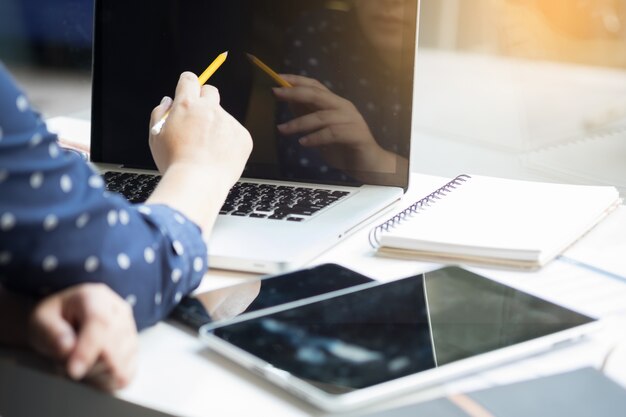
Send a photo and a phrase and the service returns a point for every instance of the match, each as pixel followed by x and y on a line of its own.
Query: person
pixel 351 117
pixel 88 328
pixel 59 226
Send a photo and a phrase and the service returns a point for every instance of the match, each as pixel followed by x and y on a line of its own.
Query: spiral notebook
pixel 494 222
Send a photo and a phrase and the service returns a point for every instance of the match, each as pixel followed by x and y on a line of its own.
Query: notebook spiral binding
pixel 422 204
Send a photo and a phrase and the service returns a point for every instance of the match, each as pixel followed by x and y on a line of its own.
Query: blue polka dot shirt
pixel 59 227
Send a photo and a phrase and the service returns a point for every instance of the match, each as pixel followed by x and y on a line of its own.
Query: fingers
pixel 211 94
pixel 188 87
pixel 51 334
pixel 315 97
pixel 326 136
pixel 301 81
pixel 117 364
pixel 90 343
pixel 106 330
pixel 190 95
pixel 312 122
pixel 104 343
pixel 189 91
pixel 116 367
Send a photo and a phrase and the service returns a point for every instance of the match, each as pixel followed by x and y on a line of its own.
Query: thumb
pixel 51 334
pixel 160 110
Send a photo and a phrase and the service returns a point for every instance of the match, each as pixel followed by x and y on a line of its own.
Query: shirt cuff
pixel 184 238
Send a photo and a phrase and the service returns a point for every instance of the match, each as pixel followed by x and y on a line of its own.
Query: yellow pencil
pixel 202 79
pixel 210 70
pixel 279 80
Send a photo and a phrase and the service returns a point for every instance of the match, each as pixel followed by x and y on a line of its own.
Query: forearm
pixel 60 227
pixel 197 192
pixel 14 315
pixel 150 255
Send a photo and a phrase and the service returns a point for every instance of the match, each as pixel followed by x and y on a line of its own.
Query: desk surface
pixel 178 375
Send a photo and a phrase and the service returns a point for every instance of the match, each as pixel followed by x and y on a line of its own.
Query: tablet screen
pixel 220 305
pixel 395 329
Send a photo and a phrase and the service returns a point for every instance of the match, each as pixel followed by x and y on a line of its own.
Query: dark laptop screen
pixel 354 57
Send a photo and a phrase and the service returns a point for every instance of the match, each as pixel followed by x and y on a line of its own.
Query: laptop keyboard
pixel 245 199
pixel 136 188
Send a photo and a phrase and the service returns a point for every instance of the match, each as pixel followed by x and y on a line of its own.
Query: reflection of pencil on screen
pixel 202 79
pixel 279 80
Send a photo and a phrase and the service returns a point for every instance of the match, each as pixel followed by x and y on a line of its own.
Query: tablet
pixel 359 345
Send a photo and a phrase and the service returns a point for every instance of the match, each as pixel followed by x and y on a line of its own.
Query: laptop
pixel 293 201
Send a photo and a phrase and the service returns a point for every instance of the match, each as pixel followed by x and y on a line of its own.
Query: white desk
pixel 178 375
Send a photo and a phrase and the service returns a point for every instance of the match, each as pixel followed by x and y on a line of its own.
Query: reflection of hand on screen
pixel 229 302
pixel 332 124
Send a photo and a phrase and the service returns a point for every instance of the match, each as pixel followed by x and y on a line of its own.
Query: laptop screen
pixel 351 61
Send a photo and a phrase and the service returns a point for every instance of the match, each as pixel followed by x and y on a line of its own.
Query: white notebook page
pixel 504 218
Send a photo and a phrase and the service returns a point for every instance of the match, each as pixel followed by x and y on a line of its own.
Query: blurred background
pixel 531 89
pixel 47 46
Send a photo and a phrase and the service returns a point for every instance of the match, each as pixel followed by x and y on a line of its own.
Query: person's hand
pixel 332 124
pixel 228 302
pixel 199 132
pixel 200 147
pixel 92 330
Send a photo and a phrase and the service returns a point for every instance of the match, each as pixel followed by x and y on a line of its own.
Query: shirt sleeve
pixel 59 227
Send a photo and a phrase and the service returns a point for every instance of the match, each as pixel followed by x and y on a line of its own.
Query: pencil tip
pixel 225 53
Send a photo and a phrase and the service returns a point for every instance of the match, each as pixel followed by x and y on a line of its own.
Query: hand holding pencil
pixel 199 135
pixel 201 151
pixel 202 79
